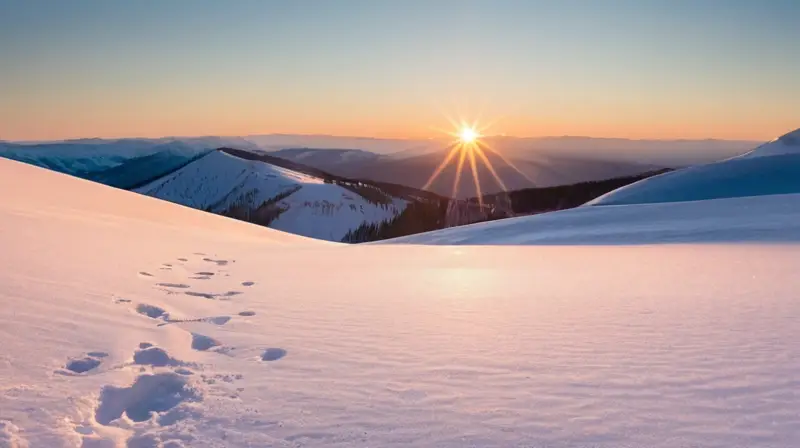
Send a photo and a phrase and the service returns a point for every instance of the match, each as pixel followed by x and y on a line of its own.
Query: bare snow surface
pixel 128 321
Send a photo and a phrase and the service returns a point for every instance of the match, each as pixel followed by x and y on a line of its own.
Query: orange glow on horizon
pixel 57 123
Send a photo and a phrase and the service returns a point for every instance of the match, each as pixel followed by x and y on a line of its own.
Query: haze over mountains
pixel 649 152
pixel 518 162
pixel 543 170
pixel 541 161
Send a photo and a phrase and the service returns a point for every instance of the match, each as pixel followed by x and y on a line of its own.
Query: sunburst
pixel 468 144
pixel 468 135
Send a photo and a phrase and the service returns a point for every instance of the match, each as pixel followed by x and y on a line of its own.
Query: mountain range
pixel 351 195
pixel 543 170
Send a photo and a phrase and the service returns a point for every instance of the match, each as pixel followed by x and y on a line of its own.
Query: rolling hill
pixel 772 168
pixel 276 197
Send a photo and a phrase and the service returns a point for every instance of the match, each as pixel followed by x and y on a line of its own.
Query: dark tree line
pixel 263 215
pixel 537 200
pixel 417 217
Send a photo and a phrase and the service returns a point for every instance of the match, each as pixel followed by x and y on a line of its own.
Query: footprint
pixel 154 356
pixel 200 253
pixel 248 283
pixel 151 311
pixel 204 295
pixel 216 320
pixel 232 293
pixel 183 259
pixel 85 364
pixel 167 265
pixel 84 430
pixel 148 394
pixel 218 262
pixel 203 343
pixel 273 354
pixel 145 274
pixel 200 278
pixel 173 285
pixel 119 300
pixel 204 273
pixel 247 313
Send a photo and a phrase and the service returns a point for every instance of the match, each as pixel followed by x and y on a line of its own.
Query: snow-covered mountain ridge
pixel 276 197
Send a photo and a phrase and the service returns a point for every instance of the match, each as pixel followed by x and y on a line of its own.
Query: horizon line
pixel 283 134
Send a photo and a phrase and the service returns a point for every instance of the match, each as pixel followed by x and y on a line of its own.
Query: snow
pixel 767 219
pixel 313 208
pixel 218 180
pixel 772 168
pixel 328 212
pixel 785 144
pixel 308 343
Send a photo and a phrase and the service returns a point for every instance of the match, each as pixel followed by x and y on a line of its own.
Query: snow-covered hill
pixel 273 196
pixel 774 218
pixel 133 322
pixel 785 144
pixel 772 168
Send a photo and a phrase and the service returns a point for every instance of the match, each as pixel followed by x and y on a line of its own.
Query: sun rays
pixel 468 144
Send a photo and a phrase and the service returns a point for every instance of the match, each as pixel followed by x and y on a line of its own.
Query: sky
pixel 399 68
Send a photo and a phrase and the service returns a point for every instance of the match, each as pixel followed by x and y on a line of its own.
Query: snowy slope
pixel 772 168
pixel 773 218
pixel 785 144
pixel 261 338
pixel 304 204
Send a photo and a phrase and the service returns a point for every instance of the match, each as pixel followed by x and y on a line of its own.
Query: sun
pixel 468 134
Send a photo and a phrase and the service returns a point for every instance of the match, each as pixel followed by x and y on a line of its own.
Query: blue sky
pixel 662 69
